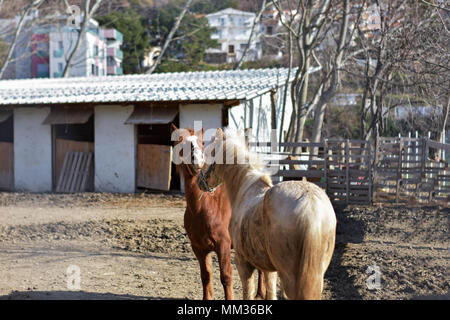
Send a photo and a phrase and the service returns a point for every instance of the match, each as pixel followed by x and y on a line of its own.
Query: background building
pixel 233 31
pixel 43 50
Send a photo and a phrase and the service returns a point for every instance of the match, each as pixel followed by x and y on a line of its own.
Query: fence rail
pixel 357 171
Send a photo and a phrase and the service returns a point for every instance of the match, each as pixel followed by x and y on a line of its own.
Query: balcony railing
pixel 58 53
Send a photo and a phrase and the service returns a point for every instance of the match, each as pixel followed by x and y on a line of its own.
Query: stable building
pixel 112 134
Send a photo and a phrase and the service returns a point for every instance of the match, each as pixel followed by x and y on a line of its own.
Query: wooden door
pixel 154 166
pixel 6 166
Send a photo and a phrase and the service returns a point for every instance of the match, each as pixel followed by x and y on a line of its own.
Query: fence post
pixel 399 170
pixel 347 175
pixel 369 170
pixel 325 157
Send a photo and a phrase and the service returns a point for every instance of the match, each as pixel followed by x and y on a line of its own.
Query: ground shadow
pixel 349 230
pixel 73 295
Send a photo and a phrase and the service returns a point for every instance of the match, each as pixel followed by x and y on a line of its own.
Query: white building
pixel 233 31
pixel 90 59
pixel 123 122
pixel 43 50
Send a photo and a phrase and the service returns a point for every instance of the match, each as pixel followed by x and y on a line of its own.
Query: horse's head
pixel 190 146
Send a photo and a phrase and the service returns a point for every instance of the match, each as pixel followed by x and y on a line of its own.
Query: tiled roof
pixel 186 86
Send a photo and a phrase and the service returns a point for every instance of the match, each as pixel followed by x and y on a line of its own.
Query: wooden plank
pixel 62 146
pixel 287 144
pixel 62 174
pixel 73 173
pixel 85 172
pixel 310 162
pixel 300 173
pixel 67 174
pixel 347 168
pixel 438 145
pixel 154 163
pixel 77 172
pixel 6 166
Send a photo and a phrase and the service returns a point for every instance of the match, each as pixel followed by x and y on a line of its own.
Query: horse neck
pixel 191 190
pixel 241 181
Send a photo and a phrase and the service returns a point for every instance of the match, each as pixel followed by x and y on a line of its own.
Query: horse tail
pixel 316 246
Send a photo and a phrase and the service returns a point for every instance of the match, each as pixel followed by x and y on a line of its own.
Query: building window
pixel 222 21
pixel 60 45
pixel 42 70
pixel 243 46
pixel 60 67
pixel 96 70
pixel 269 30
pixel 231 48
pixel 93 69
pixel 42 49
pixel 95 51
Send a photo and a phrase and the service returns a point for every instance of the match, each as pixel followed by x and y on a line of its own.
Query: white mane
pixel 255 160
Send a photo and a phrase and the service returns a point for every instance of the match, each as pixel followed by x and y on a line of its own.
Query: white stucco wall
pixel 115 156
pixel 256 114
pixel 32 150
pixel 209 114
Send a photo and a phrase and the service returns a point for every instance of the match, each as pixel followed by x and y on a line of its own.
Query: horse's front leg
pixel 271 285
pixel 246 273
pixel 224 255
pixel 204 259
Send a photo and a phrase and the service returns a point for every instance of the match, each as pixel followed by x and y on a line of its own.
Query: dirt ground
pixel 135 247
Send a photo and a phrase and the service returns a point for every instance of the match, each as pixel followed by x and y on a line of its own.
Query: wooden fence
pixel 353 171
pixel 410 170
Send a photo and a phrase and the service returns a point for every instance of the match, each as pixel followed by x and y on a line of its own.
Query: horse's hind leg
pixel 246 273
pixel 224 255
pixel 204 259
pixel 261 292
pixel 271 285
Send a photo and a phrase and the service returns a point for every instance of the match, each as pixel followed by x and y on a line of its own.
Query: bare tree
pixel 88 13
pixel 253 30
pixel 404 61
pixel 32 5
pixel 312 25
pixel 170 36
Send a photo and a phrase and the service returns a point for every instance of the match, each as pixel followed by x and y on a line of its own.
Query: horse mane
pixel 257 164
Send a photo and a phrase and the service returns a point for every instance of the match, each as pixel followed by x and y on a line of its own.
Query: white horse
pixel 288 228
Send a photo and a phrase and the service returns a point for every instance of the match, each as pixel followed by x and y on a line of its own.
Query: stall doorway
pixel 6 150
pixel 73 149
pixel 155 169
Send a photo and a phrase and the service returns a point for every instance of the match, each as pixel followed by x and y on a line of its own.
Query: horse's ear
pixel 219 134
pixel 175 133
pixel 200 133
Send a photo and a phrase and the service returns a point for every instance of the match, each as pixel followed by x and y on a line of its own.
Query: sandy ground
pixel 135 247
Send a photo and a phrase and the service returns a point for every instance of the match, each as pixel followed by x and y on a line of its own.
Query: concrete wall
pixel 32 150
pixel 209 114
pixel 115 150
pixel 256 114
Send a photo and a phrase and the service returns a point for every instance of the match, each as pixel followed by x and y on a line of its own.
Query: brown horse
pixel 206 218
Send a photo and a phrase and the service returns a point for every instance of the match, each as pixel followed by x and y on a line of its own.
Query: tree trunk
pixel 238 65
pixel 318 122
pixel 26 11
pixel 88 13
pixel 170 36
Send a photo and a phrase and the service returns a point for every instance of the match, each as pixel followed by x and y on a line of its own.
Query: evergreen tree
pixel 135 37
